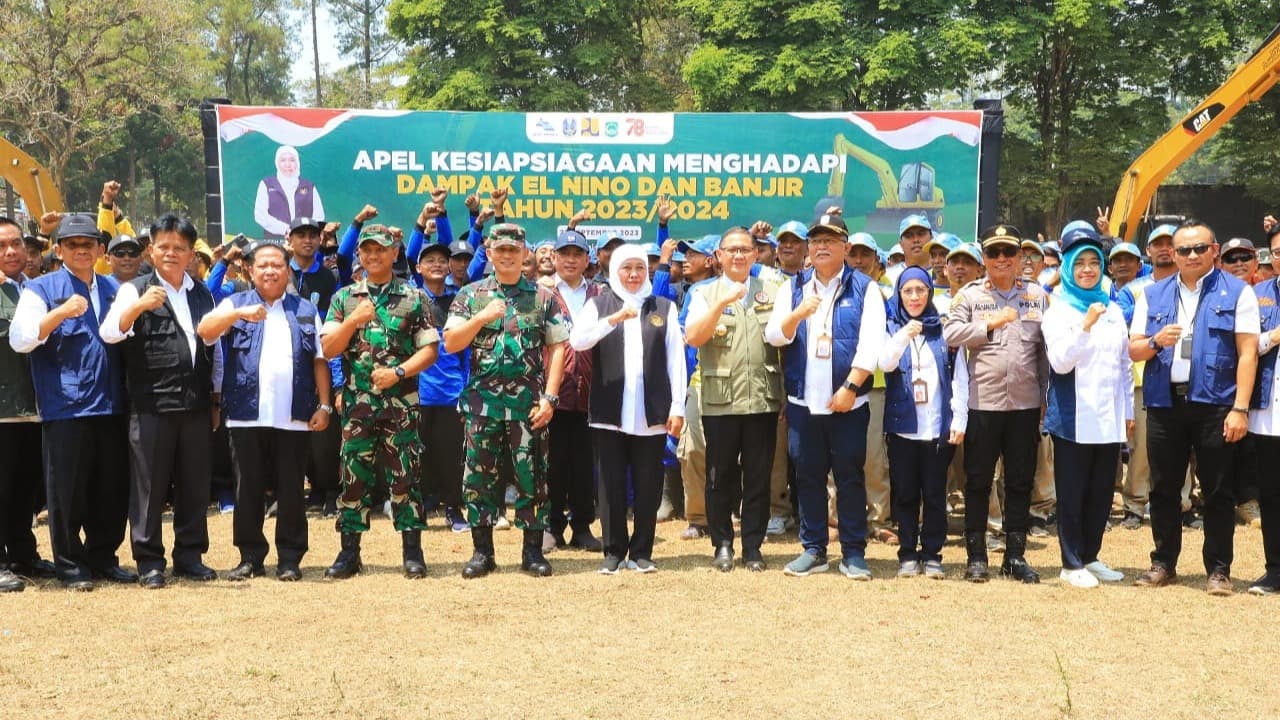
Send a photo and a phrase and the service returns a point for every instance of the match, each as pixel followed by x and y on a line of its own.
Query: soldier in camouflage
pixel 382 329
pixel 513 327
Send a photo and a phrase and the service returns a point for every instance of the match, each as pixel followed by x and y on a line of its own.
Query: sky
pixel 303 69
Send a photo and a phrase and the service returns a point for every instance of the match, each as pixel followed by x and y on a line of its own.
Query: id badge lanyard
pixel 1184 342
pixel 822 346
pixel 919 388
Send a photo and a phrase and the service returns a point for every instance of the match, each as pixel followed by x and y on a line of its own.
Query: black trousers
pixel 1171 434
pixel 440 430
pixel 570 486
pixel 172 447
pixel 918 478
pixel 267 458
pixel 20 474
pixel 1084 476
pixel 323 463
pixel 616 455
pixel 1267 454
pixel 992 435
pixel 86 470
pixel 739 460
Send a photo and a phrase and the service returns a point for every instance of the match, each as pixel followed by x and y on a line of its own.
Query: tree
pixel 362 34
pixel 250 48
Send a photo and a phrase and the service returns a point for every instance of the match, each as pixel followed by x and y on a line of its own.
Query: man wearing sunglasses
pixel 124 254
pixel 997 320
pixel 1197 331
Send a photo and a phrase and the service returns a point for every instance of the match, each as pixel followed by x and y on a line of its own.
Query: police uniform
pixel 1008 376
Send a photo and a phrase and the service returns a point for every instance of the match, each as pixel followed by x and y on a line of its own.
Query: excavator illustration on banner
pixel 913 191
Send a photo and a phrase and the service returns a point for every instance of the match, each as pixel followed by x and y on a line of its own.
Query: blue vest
pixel 76 374
pixel 846 322
pixel 1269 310
pixel 1213 345
pixel 242 351
pixel 899 399
pixel 441 384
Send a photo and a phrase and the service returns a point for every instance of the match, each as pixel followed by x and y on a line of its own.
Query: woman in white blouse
pixel 1090 407
pixel 637 399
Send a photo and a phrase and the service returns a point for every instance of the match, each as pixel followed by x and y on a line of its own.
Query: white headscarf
pixel 621 255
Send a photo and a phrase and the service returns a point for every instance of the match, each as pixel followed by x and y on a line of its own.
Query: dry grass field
pixel 684 642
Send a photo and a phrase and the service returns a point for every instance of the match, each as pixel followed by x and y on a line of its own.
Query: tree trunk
pixel 315 49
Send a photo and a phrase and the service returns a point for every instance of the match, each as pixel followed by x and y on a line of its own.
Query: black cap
pixel 1001 235
pixel 461 247
pixel 446 250
pixel 123 240
pixel 830 222
pixel 305 222
pixel 79 225
pixel 611 243
pixel 259 244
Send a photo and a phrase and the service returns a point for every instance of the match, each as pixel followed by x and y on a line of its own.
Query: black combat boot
pixel 414 567
pixel 532 560
pixel 1015 565
pixel 975 543
pixel 348 562
pixel 481 562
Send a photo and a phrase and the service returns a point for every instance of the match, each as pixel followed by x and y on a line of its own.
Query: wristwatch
pixel 327 408
pixel 850 387
pixel 552 400
pixel 1151 343
pixel 399 372
pixel 1242 411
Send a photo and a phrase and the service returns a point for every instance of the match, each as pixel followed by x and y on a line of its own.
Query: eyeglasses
pixel 126 253
pixel 1234 258
pixel 1186 251
pixel 1032 257
pixel 739 251
pixel 1001 251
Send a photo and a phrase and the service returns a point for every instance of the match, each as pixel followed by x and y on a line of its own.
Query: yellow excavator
pixel 29 179
pixel 914 190
pixel 1138 185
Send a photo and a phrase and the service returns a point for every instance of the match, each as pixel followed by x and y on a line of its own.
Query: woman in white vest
pixel 1090 408
pixel 637 399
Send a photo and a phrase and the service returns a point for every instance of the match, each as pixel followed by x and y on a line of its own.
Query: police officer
pixel 169 374
pixel 1198 333
pixel 510 397
pixel 997 320
pixel 56 321
pixel 382 329
pixel 741 395
pixel 276 391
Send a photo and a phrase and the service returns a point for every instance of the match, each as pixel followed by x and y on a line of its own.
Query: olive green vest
pixel 741 373
pixel 17 394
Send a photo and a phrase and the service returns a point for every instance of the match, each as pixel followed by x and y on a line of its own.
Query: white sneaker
pixel 1078 578
pixel 777 525
pixel 1100 570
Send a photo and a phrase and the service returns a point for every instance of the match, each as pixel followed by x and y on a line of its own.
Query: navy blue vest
pixel 76 374
pixel 846 322
pixel 1269 309
pixel 1213 345
pixel 899 399
pixel 242 351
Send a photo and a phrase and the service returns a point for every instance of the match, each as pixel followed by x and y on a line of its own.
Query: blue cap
pixel 969 249
pixel 884 257
pixel 652 249
pixel 794 228
pixel 1052 246
pixel 944 240
pixel 863 239
pixel 707 245
pixel 897 250
pixel 911 221
pixel 572 238
pixel 545 243
pixel 677 256
pixel 592 257
pixel 1162 231
pixel 1125 247
pixel 1076 233
pixel 766 240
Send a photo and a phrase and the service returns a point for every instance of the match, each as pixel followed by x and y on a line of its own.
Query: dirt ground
pixel 684 642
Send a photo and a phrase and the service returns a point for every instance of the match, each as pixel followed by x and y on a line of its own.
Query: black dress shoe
pixel 977 571
pixel 246 570
pixel 1019 570
pixel 584 540
pixel 753 561
pixel 288 572
pixel 198 572
pixel 152 579
pixel 115 574
pixel 79 584
pixel 38 569
pixel 723 561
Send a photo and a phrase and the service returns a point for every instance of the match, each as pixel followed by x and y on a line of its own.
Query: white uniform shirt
pixel 24 328
pixel 925 367
pixel 1247 320
pixel 1103 370
pixel 177 296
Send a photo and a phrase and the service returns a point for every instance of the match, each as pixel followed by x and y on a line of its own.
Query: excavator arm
pixel 1247 84
pixel 29 179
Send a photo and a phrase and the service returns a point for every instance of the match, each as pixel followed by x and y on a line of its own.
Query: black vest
pixel 608 363
pixel 159 373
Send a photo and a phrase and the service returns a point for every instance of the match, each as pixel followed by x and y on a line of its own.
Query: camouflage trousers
pixel 497 448
pixel 380 447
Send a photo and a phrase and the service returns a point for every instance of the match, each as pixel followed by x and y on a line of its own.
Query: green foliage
pixel 249 48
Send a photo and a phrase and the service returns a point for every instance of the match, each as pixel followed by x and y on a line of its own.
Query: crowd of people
pixel 744 380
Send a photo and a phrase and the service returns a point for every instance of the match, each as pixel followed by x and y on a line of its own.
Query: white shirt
pixel 1247 320
pixel 275 371
pixel 575 298
pixel 818 388
pixel 24 329
pixel 177 297
pixel 289 185
pixel 925 367
pixel 590 328
pixel 1103 370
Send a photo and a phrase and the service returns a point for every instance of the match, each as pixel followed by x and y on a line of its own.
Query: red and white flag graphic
pixel 288 126
pixel 909 130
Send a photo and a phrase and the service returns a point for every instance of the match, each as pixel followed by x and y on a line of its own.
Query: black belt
pixel 1179 391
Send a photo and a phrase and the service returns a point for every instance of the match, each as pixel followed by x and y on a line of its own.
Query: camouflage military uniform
pixel 380 430
pixel 503 389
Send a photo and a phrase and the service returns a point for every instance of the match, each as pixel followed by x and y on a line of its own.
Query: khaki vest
pixel 741 373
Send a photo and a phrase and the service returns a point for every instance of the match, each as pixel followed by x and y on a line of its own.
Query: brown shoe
pixel 1157 576
pixel 1220 585
pixel 885 535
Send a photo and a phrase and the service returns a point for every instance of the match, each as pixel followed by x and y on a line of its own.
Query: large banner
pixel 719 169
